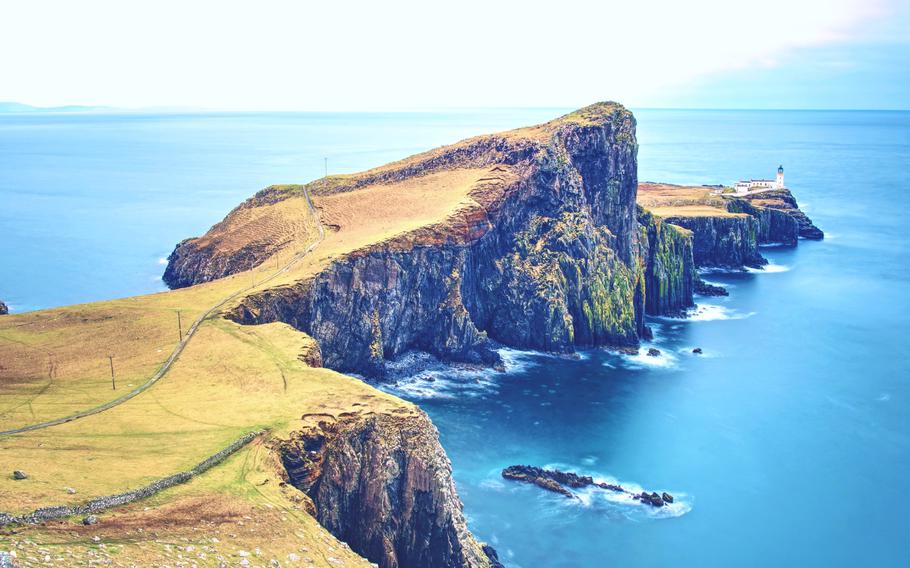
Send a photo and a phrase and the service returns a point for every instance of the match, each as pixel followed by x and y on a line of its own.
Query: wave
pixel 162 261
pixel 713 312
pixel 769 268
pixel 614 502
pixel 418 375
pixel 726 285
pixel 641 360
pixel 707 312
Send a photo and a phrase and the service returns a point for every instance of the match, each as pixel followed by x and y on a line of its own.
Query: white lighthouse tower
pixel 780 177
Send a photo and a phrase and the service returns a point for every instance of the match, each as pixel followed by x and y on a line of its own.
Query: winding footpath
pixel 181 345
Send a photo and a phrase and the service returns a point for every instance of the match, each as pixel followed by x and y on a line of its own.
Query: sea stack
pixel 3 309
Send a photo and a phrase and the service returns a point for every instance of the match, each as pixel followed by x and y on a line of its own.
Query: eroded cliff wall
pixel 383 484
pixel 723 241
pixel 669 271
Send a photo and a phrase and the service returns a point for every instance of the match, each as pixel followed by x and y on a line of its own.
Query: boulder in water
pixel 652 352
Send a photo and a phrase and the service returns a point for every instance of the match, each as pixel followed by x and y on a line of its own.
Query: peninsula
pixel 214 422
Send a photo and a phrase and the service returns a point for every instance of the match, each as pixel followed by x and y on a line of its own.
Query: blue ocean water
pixel 787 443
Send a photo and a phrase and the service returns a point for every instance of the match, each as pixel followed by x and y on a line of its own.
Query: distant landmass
pixel 20 108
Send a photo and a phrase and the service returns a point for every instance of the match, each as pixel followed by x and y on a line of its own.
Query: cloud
pixel 287 54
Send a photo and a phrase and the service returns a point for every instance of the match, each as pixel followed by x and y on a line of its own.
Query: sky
pixel 410 54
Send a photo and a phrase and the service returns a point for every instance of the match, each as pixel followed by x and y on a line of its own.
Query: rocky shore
pixel 560 481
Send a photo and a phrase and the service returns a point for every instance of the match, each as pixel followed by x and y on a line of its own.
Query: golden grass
pixel 275 225
pixel 693 211
pixel 231 379
pixel 235 507
pixel 380 212
pixel 668 200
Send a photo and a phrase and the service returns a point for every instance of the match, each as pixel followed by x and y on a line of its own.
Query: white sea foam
pixel 419 375
pixel 713 312
pixel 162 261
pixel 769 268
pixel 615 502
pixel 884 397
pixel 642 360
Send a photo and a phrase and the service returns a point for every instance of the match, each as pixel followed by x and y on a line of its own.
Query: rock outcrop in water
pixel 555 255
pixel 383 484
pixel 557 481
pixel 3 309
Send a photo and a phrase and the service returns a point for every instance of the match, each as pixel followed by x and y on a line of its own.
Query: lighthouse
pixel 780 177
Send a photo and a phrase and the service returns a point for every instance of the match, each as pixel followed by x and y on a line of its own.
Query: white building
pixel 746 186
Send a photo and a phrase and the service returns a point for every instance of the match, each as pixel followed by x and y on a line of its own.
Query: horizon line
pixel 103 109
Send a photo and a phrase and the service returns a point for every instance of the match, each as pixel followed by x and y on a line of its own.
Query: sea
pixel 785 443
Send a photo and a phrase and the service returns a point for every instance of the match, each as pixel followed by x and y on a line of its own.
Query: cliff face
pixel 773 225
pixel 373 306
pixel 724 241
pixel 383 484
pixel 550 258
pixel 670 272
pixel 3 309
pixel 781 201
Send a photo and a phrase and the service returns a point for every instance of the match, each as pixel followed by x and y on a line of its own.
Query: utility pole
pixel 113 382
pixel 179 326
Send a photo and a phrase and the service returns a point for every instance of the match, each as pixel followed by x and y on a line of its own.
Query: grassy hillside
pixel 225 379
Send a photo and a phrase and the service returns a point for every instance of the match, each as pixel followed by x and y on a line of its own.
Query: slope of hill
pixel 530 238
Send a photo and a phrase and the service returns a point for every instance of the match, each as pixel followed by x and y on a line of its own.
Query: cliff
pixel 669 265
pixel 722 240
pixel 726 229
pixel 782 201
pixel 3 309
pixel 543 250
pixel 383 484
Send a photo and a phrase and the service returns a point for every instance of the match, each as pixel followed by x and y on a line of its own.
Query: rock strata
pixel 383 484
pixel 783 201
